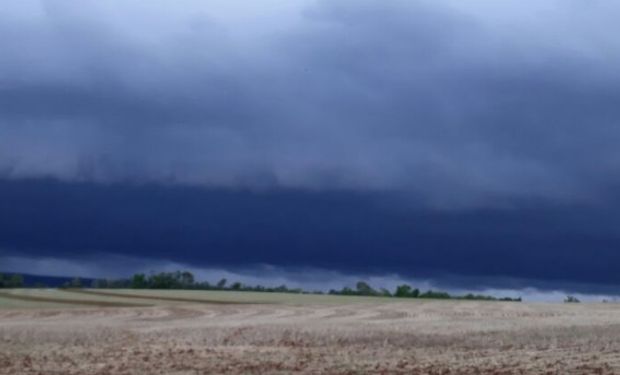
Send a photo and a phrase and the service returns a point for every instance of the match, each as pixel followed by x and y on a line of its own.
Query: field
pixel 200 332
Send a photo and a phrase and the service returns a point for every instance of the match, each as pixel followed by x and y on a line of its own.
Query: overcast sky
pixel 449 140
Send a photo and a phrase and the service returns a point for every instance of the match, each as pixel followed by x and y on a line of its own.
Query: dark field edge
pixel 158 298
pixel 70 301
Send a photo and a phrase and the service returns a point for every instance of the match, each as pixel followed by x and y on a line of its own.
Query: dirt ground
pixel 409 337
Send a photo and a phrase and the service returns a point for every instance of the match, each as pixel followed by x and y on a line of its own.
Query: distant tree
pixel 509 299
pixel 403 291
pixel 11 281
pixel 434 294
pixel 164 280
pixel 187 279
pixel 571 299
pixel 364 289
pixel 478 297
pixel 221 284
pixel 139 281
pixel 17 281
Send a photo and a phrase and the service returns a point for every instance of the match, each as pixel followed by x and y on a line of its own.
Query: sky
pixel 464 145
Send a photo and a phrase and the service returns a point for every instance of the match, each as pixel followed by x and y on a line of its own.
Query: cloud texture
pixel 456 102
pixel 475 138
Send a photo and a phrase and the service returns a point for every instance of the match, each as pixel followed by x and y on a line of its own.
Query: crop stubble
pixel 363 336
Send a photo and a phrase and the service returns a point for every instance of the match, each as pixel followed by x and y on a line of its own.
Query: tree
pixel 16 281
pixel 11 281
pixel 571 299
pixel 187 279
pixel 364 289
pixel 164 280
pixel 222 284
pixel 434 294
pixel 403 291
pixel 139 281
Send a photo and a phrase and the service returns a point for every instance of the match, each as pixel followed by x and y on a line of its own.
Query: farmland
pixel 49 331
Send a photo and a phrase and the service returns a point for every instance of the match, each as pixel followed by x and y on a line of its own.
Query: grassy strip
pixel 160 298
pixel 70 301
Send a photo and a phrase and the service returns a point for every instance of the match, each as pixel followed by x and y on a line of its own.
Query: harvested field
pixel 194 332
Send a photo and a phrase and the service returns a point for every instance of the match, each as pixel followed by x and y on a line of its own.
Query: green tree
pixel 164 280
pixel 403 291
pixel 571 299
pixel 11 281
pixel 139 281
pixel 364 289
pixel 16 281
pixel 434 294
pixel 187 279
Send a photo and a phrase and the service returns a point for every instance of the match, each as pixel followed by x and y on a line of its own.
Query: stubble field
pixel 196 332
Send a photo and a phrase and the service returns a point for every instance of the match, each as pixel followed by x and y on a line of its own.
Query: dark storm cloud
pixel 474 139
pixel 455 103
pixel 354 233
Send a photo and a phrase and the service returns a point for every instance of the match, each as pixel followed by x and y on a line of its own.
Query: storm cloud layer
pixel 369 234
pixel 455 102
pixel 482 132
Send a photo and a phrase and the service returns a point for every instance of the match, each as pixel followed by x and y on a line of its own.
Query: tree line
pixel 11 281
pixel 181 280
pixel 406 291
pixel 186 280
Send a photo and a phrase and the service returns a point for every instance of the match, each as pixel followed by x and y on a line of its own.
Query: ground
pixel 194 332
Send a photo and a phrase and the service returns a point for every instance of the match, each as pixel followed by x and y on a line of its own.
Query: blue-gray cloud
pixel 457 103
pixel 473 140
pixel 346 231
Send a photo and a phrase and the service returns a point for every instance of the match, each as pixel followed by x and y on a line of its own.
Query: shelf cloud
pixel 345 135
pixel 456 102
